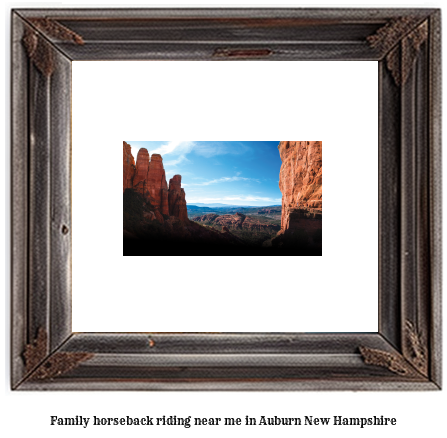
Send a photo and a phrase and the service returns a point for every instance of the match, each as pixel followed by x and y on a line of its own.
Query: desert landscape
pixel 158 220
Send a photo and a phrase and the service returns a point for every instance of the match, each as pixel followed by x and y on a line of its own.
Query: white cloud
pixel 226 179
pixel 174 147
pixel 179 149
pixel 208 150
pixel 174 163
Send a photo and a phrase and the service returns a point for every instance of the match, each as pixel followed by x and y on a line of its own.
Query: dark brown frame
pixel 405 354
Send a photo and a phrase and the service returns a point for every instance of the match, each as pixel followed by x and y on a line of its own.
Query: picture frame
pixel 405 353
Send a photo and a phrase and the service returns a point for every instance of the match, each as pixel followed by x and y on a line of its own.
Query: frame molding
pixel 406 352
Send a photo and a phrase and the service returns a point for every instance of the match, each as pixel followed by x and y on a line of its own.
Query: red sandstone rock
pixel 150 215
pixel 238 221
pixel 176 199
pixel 159 217
pixel 301 177
pixel 175 183
pixel 165 201
pixel 148 178
pixel 128 166
pixel 206 217
pixel 156 181
pixel 231 221
pixel 305 219
pixel 254 224
pixel 140 178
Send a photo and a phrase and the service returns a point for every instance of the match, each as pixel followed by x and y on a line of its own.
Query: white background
pixel 222 101
pixel 418 414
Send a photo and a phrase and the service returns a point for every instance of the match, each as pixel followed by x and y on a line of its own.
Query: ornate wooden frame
pixel 405 354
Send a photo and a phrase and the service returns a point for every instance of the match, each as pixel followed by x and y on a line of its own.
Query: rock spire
pixel 148 178
pixel 128 166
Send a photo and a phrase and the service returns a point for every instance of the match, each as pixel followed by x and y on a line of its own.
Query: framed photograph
pixel 212 228
pixel 95 310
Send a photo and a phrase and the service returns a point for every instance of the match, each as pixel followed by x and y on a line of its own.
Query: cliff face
pixel 139 183
pixel 176 198
pixel 157 186
pixel 128 166
pixel 148 178
pixel 301 179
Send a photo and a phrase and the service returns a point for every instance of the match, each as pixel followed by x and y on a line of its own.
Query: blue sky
pixel 227 172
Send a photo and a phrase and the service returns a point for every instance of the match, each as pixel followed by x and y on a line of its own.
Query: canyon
pixel 155 211
pixel 155 217
pixel 253 230
pixel 237 221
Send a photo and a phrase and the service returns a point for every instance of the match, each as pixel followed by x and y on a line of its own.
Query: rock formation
pixel 176 198
pixel 140 179
pixel 300 182
pixel 128 167
pixel 309 220
pixel 206 217
pixel 157 186
pixel 157 213
pixel 148 178
pixel 236 221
